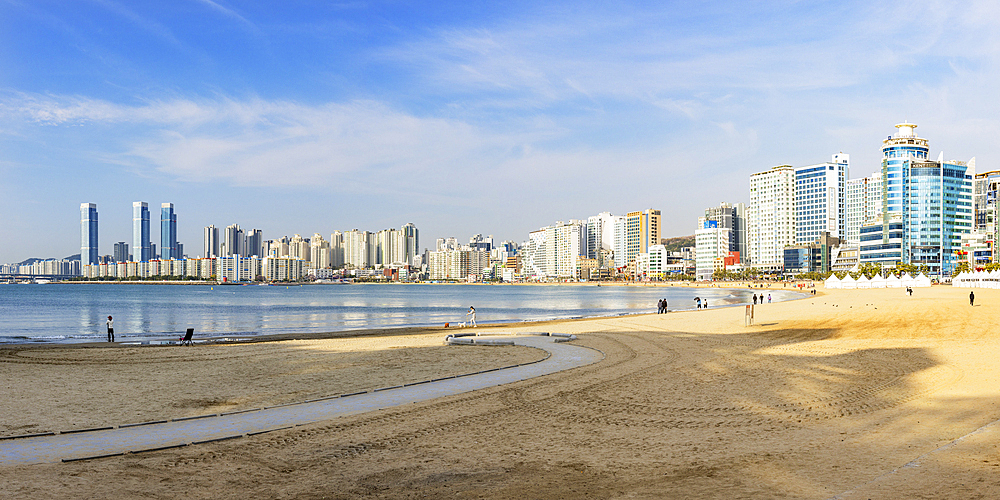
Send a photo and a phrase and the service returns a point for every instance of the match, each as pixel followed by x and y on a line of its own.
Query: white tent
pixel 906 280
pixel 848 283
pixel 832 282
pixel 961 281
pixel 878 282
pixel 864 282
pixel 922 281
pixel 893 282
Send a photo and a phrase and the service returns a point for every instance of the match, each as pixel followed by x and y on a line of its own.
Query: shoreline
pixel 245 338
pixel 846 394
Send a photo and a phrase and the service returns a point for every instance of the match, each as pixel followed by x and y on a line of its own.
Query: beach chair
pixel 187 337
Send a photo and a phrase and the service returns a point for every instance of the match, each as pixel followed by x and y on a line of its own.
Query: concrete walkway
pixel 156 436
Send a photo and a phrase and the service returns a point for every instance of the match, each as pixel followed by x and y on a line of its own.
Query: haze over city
pixel 462 118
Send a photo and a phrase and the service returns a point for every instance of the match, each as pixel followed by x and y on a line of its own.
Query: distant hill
pixel 674 244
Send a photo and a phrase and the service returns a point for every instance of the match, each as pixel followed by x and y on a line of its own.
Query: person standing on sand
pixel 472 316
pixel 111 329
pixel 755 299
pixel 768 298
pixel 972 298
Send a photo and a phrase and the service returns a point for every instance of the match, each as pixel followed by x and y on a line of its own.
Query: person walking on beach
pixel 472 316
pixel 768 298
pixel 972 298
pixel 111 329
pixel 755 299
pixel 659 306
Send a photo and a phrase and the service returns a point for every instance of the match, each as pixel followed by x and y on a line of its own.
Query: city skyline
pixel 458 117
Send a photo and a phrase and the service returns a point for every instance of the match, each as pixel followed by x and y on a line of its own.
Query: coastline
pixel 416 324
pixel 833 395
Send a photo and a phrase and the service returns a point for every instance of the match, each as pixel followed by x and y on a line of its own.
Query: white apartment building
pixel 601 233
pixel 358 249
pixel 553 251
pixel 771 217
pixel 653 263
pixel 711 243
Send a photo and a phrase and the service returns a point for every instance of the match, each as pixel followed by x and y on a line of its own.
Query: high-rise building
pixel 553 251
pixel 212 246
pixel 601 234
pixel 642 229
pixel 820 199
pixel 88 243
pixel 985 193
pixel 121 252
pixel 771 217
pixel 357 249
pixel 721 232
pixel 234 242
pixel 411 242
pixel 255 243
pixel 926 207
pixel 142 251
pixel 337 249
pixel 168 232
pixel 864 203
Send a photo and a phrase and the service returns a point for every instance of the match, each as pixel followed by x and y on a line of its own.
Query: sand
pixel 848 394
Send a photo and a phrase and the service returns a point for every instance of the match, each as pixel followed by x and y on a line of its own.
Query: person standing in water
pixel 472 316
pixel 111 329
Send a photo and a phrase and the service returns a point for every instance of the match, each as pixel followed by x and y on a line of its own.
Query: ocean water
pixel 77 313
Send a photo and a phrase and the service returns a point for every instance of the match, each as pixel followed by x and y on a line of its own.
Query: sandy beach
pixel 847 394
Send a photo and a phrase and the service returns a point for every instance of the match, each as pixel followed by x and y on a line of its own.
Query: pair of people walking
pixel 661 306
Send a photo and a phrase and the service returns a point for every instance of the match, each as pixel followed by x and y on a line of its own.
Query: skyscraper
pixel 88 242
pixel 234 242
pixel 121 252
pixel 820 199
pixel 168 232
pixel 411 237
pixel 141 250
pixel 212 248
pixel 722 230
pixel 255 243
pixel 642 229
pixel 926 207
pixel 771 217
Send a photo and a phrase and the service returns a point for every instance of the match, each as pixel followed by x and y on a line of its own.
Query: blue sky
pixel 463 118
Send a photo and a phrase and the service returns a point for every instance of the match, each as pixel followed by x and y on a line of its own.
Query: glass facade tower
pixel 926 207
pixel 141 249
pixel 88 241
pixel 168 232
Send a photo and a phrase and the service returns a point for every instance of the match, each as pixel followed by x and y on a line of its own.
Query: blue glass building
pixel 141 250
pixel 168 232
pixel 926 207
pixel 88 241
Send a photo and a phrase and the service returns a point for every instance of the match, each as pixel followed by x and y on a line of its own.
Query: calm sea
pixel 77 313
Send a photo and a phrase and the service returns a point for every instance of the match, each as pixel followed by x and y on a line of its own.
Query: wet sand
pixel 848 394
